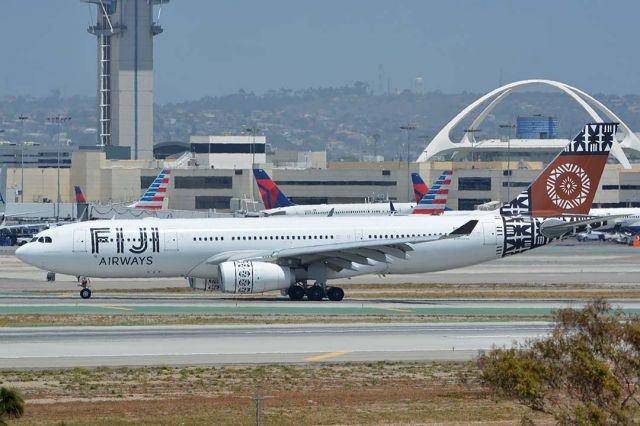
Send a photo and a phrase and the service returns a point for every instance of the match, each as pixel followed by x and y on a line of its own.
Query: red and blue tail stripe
pixel 80 198
pixel 272 197
pixel 155 195
pixel 419 187
pixel 435 200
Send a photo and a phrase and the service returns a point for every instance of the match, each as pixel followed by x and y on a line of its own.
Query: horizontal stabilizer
pixel 555 228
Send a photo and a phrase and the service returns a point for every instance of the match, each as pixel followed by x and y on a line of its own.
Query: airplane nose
pixel 22 253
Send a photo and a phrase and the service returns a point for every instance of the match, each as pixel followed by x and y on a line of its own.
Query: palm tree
pixel 11 405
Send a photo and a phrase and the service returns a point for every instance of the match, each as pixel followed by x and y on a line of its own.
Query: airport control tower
pixel 125 31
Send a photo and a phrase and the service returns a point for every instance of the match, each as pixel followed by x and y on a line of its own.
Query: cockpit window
pixel 47 240
pixel 41 240
pixel 34 239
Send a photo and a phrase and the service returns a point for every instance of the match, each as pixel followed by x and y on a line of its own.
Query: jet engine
pixel 253 277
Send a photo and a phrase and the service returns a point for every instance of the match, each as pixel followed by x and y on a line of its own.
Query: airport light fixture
pixel 252 130
pixel 59 120
pixel 510 127
pixel 22 119
pixel 408 128
pixel 22 145
pixel 472 139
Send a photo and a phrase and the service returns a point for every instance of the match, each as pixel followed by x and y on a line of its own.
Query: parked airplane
pixel 277 203
pixel 80 198
pixel 419 187
pixel 154 198
pixel 435 200
pixel 254 255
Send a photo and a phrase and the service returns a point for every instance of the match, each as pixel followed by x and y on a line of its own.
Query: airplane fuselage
pixel 356 209
pixel 185 247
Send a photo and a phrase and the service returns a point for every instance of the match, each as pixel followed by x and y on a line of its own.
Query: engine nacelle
pixel 253 277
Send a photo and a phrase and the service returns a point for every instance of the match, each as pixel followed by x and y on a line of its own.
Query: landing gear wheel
pixel 295 292
pixel 335 294
pixel 85 293
pixel 315 293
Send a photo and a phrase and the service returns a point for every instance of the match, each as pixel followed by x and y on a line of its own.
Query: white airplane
pixel 276 203
pixel 254 255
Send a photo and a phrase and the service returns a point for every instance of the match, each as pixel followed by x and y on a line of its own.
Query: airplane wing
pixel 555 228
pixel 340 256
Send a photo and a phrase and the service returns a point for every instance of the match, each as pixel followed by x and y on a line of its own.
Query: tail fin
pixel 419 187
pixel 435 200
pixel 155 197
pixel 569 183
pixel 272 197
pixel 80 198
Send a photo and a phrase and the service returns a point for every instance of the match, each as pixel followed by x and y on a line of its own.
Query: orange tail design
pixel 569 183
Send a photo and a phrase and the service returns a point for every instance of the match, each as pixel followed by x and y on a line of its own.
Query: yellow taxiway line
pixel 325 356
pixel 119 308
pixel 398 310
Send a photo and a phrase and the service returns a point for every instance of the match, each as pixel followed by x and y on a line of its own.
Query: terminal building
pixel 209 172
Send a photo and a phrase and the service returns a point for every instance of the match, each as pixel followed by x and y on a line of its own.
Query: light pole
pixel 408 128
pixel 472 139
pixel 508 126
pixel 59 120
pixel 253 131
pixel 22 119
pixel 22 145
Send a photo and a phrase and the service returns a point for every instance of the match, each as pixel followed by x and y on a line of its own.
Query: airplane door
pixel 79 240
pixel 170 240
pixel 489 233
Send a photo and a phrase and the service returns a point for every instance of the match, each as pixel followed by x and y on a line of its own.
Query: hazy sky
pixel 215 47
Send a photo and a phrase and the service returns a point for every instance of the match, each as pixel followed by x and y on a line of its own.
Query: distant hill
pixel 343 120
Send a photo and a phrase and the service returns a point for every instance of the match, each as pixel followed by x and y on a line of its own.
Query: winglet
pixel 271 195
pixel 465 229
pixel 392 208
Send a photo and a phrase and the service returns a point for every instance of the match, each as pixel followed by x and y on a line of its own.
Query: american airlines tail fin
pixel 569 183
pixel 435 200
pixel 155 197
pixel 80 198
pixel 272 197
pixel 419 187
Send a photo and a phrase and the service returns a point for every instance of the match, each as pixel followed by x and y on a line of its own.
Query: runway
pixel 50 347
pixel 169 305
pixel 567 262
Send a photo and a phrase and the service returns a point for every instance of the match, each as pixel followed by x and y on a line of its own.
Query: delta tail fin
pixel 434 201
pixel 419 187
pixel 272 197
pixel 155 197
pixel 569 183
pixel 80 198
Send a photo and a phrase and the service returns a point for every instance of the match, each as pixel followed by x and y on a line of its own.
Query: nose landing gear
pixel 85 291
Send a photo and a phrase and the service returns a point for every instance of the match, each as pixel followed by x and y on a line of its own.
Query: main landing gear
pixel 315 292
pixel 85 291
